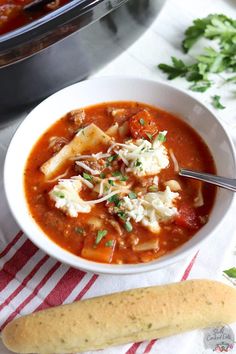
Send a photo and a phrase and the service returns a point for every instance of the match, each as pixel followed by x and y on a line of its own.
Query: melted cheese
pixel 142 157
pixel 152 208
pixel 66 197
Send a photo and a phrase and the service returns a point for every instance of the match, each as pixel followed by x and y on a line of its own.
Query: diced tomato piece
pixel 187 217
pixel 143 125
pixel 102 252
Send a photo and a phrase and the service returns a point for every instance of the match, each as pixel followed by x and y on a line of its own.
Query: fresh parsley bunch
pixel 218 27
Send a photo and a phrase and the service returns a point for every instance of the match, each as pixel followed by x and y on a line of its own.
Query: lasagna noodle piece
pixel 85 139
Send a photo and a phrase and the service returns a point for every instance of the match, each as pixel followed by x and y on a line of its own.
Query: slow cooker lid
pixel 58 24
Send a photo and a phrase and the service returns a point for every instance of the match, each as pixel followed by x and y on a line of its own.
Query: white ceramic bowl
pixel 104 90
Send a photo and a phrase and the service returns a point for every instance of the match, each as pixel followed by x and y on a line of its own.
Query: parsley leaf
pixel 116 174
pixel 132 195
pixel 120 175
pixel 223 28
pixel 110 159
pixel 87 176
pixel 210 61
pixel 110 243
pixel 216 102
pixel 153 188
pixel 161 137
pixel 59 194
pixel 142 121
pixel 200 86
pixel 128 226
pixel 178 68
pixel 214 61
pixel 231 79
pixel 115 199
pixel 194 32
pixel 111 182
pixel 100 235
pixel 213 26
pixel 137 163
pixel 230 272
pixel 122 215
pixel 150 136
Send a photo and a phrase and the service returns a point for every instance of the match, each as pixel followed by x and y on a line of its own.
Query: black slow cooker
pixel 66 46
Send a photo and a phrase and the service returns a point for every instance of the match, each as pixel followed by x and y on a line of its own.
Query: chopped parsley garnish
pixel 178 68
pixel 115 199
pixel 153 188
pixel 138 163
pixel 123 178
pixel 128 226
pixel 59 194
pixel 111 158
pixel 116 174
pixel 213 27
pixel 102 175
pixel 142 121
pixel 110 243
pixel 100 235
pixel 231 79
pixel 106 188
pixel 79 230
pixel 200 86
pixel 161 137
pixel 119 174
pixel 216 102
pixel 87 176
pixel 111 182
pixel 150 136
pixel 132 195
pixel 230 272
pixel 122 215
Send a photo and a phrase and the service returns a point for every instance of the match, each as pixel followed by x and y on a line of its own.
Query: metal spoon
pixel 227 183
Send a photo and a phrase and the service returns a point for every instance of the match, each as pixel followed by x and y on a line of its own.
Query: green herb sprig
pixel 213 27
pixel 231 272
pixel 216 102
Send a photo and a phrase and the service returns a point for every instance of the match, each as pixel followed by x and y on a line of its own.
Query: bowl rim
pixel 103 268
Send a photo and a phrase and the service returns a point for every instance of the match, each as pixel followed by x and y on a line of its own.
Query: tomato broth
pixel 153 212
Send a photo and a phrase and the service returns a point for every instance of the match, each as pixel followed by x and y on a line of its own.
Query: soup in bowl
pixel 98 183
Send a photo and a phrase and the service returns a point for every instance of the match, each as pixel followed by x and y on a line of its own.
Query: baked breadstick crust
pixel 129 316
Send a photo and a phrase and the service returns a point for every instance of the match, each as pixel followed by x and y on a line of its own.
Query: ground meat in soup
pixel 117 198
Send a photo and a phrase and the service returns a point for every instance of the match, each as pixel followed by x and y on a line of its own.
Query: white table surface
pixel 157 45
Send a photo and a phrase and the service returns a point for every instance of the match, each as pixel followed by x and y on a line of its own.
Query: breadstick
pixel 134 315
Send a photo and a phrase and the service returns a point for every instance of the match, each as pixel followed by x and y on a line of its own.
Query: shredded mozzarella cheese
pixel 98 156
pixel 87 168
pixel 175 162
pixel 66 197
pixel 58 177
pixel 152 208
pixel 86 182
pixel 142 157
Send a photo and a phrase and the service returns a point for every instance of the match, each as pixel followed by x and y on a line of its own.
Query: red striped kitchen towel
pixel 30 281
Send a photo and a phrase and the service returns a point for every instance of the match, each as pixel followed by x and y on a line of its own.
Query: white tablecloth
pixel 30 280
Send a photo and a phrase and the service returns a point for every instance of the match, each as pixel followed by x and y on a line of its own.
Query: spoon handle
pixel 227 183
